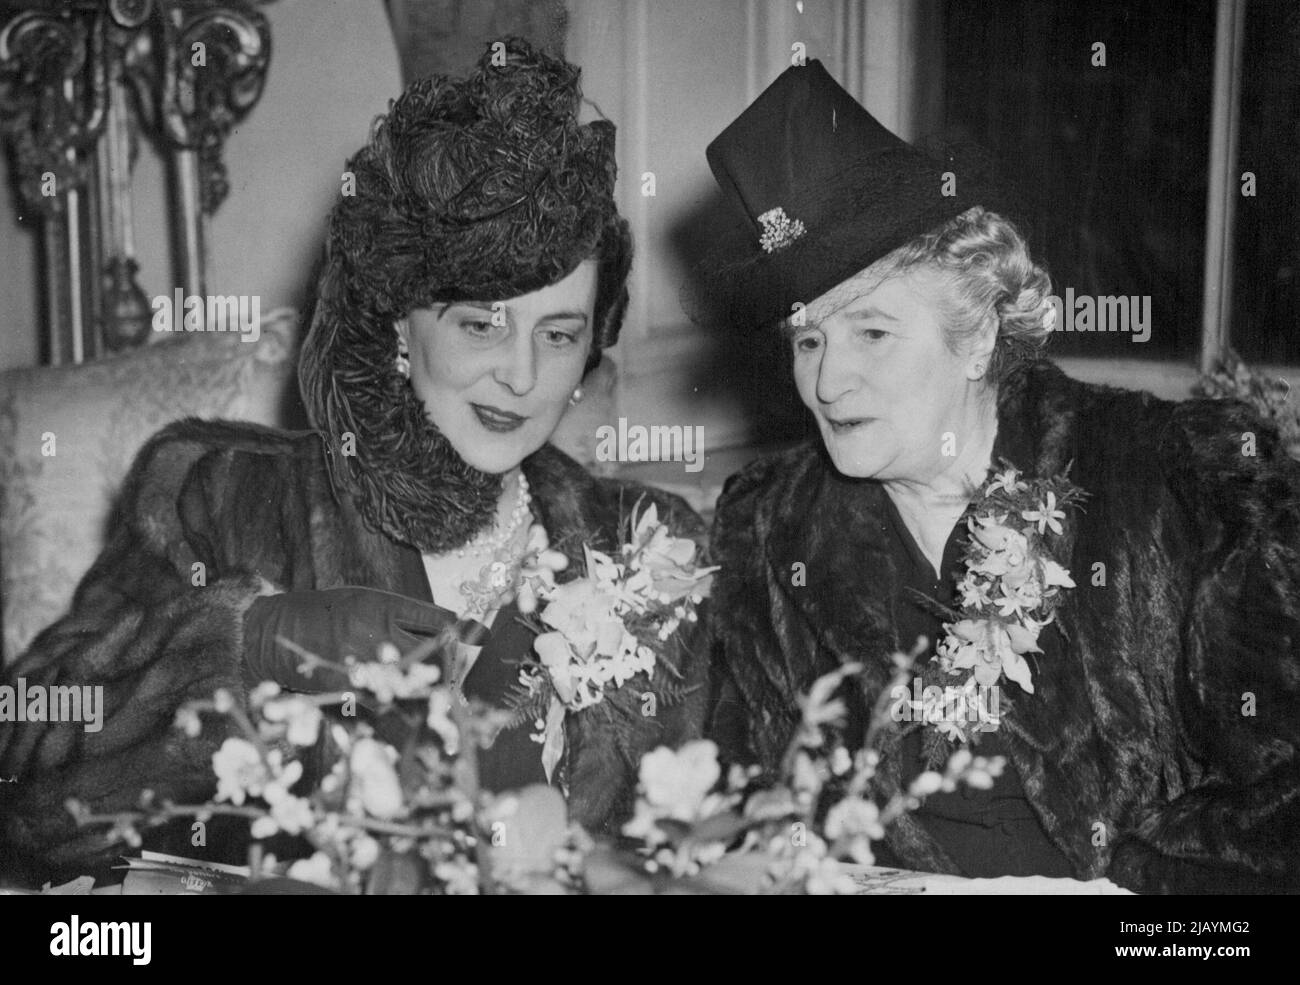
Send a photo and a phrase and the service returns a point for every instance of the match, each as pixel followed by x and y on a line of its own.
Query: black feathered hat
pixel 479 188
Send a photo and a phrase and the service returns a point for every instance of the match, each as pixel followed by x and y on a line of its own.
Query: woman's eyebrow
pixel 866 313
pixel 790 329
pixel 869 312
pixel 565 316
pixel 448 305
pixel 576 315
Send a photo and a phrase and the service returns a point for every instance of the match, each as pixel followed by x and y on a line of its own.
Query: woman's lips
pixel 844 425
pixel 496 419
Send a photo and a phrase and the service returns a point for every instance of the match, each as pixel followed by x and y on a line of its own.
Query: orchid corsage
pixel 601 637
pixel 1009 590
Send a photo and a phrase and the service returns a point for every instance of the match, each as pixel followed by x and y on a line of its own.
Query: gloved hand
pixel 332 623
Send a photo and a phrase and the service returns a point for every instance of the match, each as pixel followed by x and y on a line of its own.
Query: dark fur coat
pixel 254 505
pixel 1164 750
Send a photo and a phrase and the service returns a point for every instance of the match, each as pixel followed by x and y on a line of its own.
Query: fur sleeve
pixel 1238 828
pixel 153 629
pixel 751 719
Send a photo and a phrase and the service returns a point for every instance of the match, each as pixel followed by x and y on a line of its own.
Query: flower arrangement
pixel 1009 591
pixel 600 636
pixel 373 817
pixel 392 804
pixel 410 818
pixel 696 830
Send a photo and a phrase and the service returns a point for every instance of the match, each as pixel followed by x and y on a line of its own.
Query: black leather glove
pixel 332 623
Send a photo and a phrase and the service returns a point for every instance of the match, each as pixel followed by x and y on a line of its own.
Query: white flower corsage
pixel 599 632
pixel 1009 589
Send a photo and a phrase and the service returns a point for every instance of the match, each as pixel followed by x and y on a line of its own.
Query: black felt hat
pixel 825 190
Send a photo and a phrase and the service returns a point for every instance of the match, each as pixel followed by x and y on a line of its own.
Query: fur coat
pixel 254 505
pixel 1163 751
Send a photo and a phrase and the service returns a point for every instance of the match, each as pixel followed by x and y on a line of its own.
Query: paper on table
pixel 1021 886
pixel 875 881
pixel 80 886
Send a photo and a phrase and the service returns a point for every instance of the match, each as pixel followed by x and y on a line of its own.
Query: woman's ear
pixel 981 354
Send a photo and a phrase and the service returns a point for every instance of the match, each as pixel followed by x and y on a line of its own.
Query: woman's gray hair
pixel 994 279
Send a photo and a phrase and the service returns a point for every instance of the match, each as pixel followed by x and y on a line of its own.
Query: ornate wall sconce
pixel 80 81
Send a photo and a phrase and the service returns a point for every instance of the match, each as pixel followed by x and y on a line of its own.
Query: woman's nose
pixel 836 375
pixel 517 371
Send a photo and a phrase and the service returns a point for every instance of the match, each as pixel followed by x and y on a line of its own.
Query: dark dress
pixel 513 760
pixel 991 832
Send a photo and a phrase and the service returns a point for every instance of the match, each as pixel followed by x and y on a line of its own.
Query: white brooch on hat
pixel 779 230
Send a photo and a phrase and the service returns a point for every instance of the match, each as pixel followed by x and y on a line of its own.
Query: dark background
pixel 1115 159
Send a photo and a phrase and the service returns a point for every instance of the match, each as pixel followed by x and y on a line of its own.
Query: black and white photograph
pixel 652 447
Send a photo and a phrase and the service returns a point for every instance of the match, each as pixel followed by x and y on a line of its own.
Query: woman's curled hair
pixel 993 277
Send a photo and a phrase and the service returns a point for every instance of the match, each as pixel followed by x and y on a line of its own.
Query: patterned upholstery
pixel 68 436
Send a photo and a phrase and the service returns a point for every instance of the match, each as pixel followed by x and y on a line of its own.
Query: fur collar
pixel 348 551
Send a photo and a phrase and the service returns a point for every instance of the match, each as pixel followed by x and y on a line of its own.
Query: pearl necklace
pixel 491 541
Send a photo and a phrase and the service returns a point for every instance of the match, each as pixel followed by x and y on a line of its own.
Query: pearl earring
pixel 402 362
pixel 578 394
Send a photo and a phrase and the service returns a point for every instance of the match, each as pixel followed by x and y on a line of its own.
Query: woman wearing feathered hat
pixel 471 281
pixel 1108 584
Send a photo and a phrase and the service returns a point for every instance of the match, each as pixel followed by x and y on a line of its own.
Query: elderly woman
pixel 471 281
pixel 1115 578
